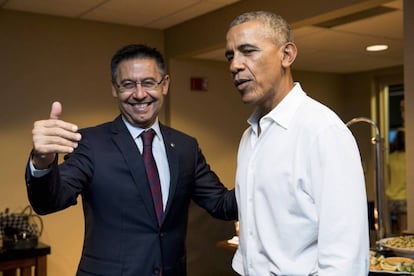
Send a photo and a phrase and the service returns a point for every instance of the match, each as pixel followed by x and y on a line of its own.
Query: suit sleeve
pixel 210 193
pixel 61 187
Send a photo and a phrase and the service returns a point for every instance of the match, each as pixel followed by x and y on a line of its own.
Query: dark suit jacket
pixel 122 236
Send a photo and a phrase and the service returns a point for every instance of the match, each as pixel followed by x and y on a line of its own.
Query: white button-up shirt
pixel 301 194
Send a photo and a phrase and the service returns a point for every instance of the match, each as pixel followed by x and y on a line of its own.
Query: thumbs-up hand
pixel 53 136
pixel 56 110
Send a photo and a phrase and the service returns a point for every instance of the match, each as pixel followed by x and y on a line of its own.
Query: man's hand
pixel 53 136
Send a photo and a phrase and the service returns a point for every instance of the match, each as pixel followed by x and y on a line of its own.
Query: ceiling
pixel 341 48
pixel 333 46
pixel 158 14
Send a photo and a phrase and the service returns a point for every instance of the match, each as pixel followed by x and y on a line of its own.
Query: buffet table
pixel 388 253
pixel 25 261
pixel 232 245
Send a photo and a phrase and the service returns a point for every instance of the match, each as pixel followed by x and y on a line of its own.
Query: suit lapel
pixel 126 144
pixel 172 163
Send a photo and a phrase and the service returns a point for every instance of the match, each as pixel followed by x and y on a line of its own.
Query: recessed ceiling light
pixel 376 48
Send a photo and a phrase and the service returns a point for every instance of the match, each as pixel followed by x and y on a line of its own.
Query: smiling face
pixel 259 65
pixel 140 106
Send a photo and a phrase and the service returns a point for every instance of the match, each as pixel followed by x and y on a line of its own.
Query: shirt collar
pixel 283 113
pixel 136 131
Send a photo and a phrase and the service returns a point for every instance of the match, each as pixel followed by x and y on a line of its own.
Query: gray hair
pixel 277 26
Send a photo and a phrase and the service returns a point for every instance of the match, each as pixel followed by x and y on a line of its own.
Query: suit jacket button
pixel 156 271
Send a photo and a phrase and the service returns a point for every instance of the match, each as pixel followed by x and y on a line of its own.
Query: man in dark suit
pixel 124 233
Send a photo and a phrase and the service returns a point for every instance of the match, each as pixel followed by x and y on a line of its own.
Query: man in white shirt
pixel 299 182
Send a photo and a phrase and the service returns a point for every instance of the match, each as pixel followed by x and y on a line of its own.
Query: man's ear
pixel 114 91
pixel 166 85
pixel 289 54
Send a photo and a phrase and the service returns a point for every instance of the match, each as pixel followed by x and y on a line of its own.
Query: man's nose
pixel 139 91
pixel 236 65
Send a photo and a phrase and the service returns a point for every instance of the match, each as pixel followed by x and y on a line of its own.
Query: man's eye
pixel 248 51
pixel 129 85
pixel 148 84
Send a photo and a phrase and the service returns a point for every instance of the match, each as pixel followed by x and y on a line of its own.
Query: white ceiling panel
pixel 338 41
pixel 137 13
pixel 393 28
pixel 189 12
pixel 394 4
pixel 158 14
pixel 67 8
pixel 342 62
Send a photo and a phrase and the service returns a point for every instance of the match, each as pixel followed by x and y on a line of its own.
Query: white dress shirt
pixel 301 194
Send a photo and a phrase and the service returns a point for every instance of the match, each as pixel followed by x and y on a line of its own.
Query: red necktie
pixel 152 172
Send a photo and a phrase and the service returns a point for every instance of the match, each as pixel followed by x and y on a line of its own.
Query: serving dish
pixel 396 244
pixel 390 272
pixel 380 265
